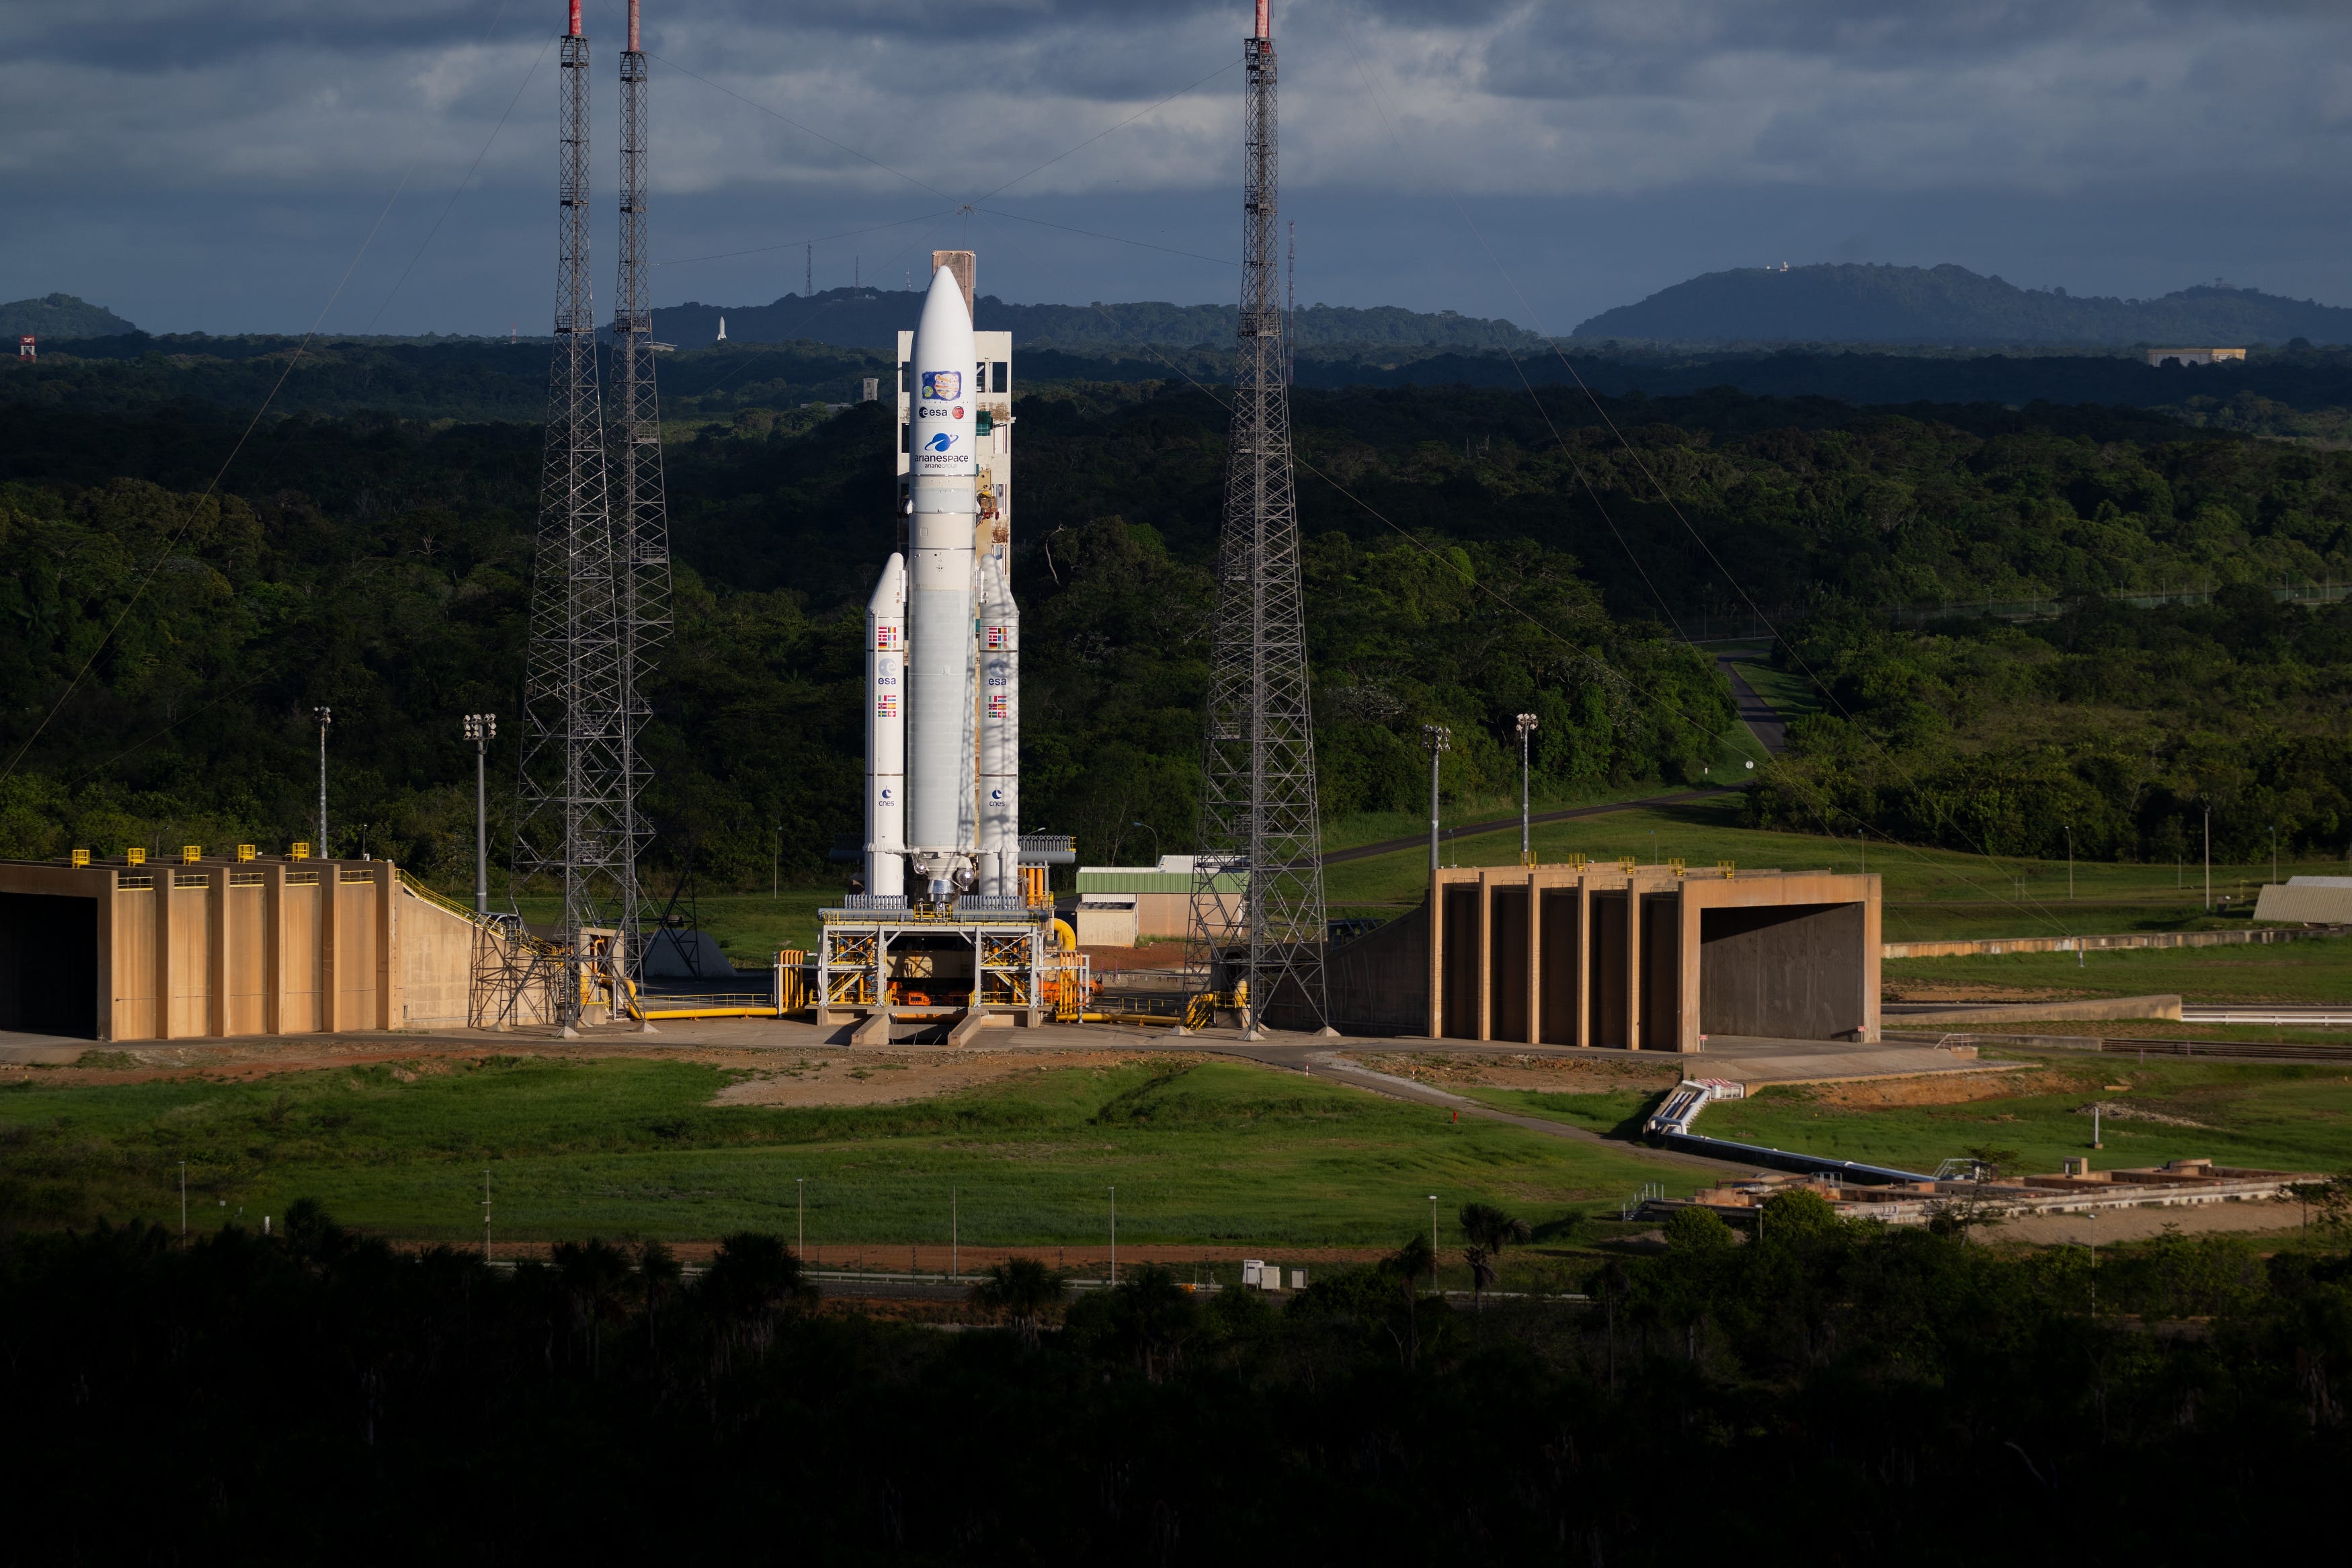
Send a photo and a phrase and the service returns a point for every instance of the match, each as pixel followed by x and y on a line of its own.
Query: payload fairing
pixel 943 785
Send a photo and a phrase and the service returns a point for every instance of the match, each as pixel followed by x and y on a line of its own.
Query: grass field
pixel 1213 1151
pixel 1930 894
pixel 2319 970
pixel 2290 1118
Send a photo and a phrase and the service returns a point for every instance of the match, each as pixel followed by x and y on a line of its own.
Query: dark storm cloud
pixel 125 116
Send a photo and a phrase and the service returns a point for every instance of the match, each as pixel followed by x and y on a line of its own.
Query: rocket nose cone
pixel 944 306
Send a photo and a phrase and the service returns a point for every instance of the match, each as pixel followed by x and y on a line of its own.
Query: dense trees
pixel 1463 566
pixel 294 1396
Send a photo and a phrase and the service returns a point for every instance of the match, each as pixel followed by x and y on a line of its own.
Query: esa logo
pixel 943 441
pixel 943 386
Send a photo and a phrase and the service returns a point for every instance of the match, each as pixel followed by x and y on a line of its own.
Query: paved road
pixel 1757 713
pixel 1467 829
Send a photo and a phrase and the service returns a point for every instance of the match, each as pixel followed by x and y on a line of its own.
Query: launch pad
pixel 910 958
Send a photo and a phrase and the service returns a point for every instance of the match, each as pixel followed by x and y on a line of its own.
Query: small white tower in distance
pixel 722 329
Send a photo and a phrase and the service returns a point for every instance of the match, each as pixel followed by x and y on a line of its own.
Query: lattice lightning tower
pixel 1258 811
pixel 640 509
pixel 576 819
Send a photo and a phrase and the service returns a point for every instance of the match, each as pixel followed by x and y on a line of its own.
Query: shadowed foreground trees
pixel 317 1395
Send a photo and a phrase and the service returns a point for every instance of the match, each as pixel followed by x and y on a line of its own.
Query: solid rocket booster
pixel 886 731
pixel 943 466
pixel 1000 734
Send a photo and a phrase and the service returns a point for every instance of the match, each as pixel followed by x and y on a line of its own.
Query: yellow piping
pixel 1064 935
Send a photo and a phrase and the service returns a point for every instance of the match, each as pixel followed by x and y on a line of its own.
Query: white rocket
pixel 943 466
pixel 885 732
pixel 1000 733
pixel 942 662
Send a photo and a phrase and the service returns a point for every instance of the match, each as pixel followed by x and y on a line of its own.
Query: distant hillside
pixel 1863 304
pixel 873 319
pixel 61 316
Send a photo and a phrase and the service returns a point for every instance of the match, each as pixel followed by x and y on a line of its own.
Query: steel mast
pixel 575 817
pixel 640 508
pixel 1259 808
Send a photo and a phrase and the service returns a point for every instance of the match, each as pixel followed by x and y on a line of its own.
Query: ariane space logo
pixel 943 386
pixel 943 441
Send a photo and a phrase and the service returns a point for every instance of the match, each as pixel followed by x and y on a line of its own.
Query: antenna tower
pixel 1258 811
pixel 599 561
pixel 640 506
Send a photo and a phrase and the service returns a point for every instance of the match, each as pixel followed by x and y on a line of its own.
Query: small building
pixel 25 346
pixel 2306 901
pixel 2193 356
pixel 1642 957
pixel 1156 900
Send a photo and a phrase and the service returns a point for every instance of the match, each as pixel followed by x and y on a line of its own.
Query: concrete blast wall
pixel 219 947
pixel 1645 958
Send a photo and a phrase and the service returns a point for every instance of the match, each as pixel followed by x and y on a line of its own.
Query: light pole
pixel 2273 851
pixel 2070 859
pixel 1527 726
pixel 800 1213
pixel 1114 1236
pixel 1432 1241
pixel 184 1200
pixel 486 1217
pixel 776 866
pixel 2209 860
pixel 1155 839
pixel 326 717
pixel 955 1237
pixel 482 728
pixel 1440 740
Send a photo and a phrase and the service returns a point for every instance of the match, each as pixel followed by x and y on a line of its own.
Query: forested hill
pixel 61 316
pixel 1462 563
pixel 1863 303
pixel 2304 392
pixel 872 319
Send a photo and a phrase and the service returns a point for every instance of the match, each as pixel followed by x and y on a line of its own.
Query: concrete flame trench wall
pixel 1649 959
pixel 222 947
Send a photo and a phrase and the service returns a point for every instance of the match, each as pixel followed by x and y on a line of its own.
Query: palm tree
pixel 1022 1290
pixel 1406 1266
pixel 595 1274
pixel 752 1280
pixel 1490 1231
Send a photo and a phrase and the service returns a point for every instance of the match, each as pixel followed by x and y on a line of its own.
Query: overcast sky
pixel 221 166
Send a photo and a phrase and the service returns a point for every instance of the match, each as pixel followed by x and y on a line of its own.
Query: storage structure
pixel 1641 957
pixel 216 947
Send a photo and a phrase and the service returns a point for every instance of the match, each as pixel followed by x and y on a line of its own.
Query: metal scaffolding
pixel 1258 810
pixel 577 823
pixel 640 508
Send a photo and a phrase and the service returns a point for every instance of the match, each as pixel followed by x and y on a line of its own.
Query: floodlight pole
pixel 1432 1241
pixel 955 1237
pixel 800 1213
pixel 326 717
pixel 482 728
pixel 1114 1236
pixel 1440 740
pixel 2070 860
pixel 1527 850
pixel 2209 860
pixel 184 1200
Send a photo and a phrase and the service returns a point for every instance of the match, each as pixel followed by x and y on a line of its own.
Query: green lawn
pixel 2316 970
pixel 1214 1151
pixel 2292 1118
pixel 750 927
pixel 1930 894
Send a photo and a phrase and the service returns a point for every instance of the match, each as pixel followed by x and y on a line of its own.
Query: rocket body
pixel 885 732
pixel 1000 734
pixel 942 466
